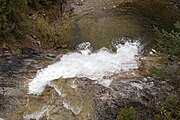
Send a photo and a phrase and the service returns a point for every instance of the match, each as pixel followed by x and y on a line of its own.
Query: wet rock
pixel 22 70
pixel 30 60
pixel 36 66
pixel 50 55
pixel 27 63
pixel 7 104
pixel 31 70
pixel 15 71
pixel 63 46
pixel 88 100
pixel 28 51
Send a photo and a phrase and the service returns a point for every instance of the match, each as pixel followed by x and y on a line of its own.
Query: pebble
pixel 36 66
pixel 22 70
pixel 32 71
pixel 16 72
pixel 27 63
pixel 30 60
pixel 50 55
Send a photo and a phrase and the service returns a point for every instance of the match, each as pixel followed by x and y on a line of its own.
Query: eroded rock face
pixel 61 100
pixel 15 73
pixel 83 99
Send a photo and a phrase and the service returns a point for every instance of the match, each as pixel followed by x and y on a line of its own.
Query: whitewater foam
pixel 85 63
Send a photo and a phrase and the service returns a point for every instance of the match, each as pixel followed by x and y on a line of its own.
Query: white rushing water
pixel 85 63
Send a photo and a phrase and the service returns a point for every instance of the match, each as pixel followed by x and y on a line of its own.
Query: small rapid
pixel 94 65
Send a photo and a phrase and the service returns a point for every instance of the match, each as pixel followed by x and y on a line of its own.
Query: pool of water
pixel 109 21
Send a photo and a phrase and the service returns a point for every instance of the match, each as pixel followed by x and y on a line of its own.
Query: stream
pixel 101 73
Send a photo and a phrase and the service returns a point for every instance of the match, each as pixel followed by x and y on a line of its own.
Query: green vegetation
pixel 167 73
pixel 169 109
pixel 6 25
pixel 128 114
pixel 37 4
pixel 168 44
pixel 47 31
pixel 19 18
pixel 172 106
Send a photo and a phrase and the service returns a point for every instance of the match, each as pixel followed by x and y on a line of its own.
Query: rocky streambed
pixel 87 101
pixel 75 98
pixel 16 71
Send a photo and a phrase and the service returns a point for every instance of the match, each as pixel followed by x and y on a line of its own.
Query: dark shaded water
pixel 134 20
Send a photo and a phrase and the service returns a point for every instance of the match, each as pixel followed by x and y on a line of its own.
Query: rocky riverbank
pixel 16 71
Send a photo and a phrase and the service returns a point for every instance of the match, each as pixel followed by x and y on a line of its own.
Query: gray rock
pixel 50 55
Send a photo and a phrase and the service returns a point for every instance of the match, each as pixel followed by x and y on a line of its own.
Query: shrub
pixel 6 26
pixel 11 17
pixel 166 73
pixel 168 42
pixel 47 32
pixel 172 106
pixel 37 4
pixel 128 114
